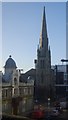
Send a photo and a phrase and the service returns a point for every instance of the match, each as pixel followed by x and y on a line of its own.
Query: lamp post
pixel 48 107
pixel 56 73
pixel 48 102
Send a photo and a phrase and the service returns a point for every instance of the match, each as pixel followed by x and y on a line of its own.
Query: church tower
pixel 43 64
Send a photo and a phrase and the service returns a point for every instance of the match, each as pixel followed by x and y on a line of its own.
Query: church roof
pixel 10 63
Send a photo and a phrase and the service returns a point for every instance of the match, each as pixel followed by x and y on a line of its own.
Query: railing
pixel 26 84
pixel 20 84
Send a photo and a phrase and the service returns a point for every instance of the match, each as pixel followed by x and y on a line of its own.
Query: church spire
pixel 43 35
pixel 43 20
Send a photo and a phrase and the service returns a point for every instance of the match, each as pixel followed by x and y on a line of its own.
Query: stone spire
pixel 43 35
pixel 43 65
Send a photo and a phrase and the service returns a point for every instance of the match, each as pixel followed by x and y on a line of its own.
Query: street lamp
pixel 64 60
pixel 48 102
pixel 48 107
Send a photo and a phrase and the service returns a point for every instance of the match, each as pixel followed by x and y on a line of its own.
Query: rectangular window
pixel 65 76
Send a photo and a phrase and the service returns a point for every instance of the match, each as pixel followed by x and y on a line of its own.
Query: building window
pixel 6 93
pixel 25 91
pixel 65 76
pixel 21 91
pixel 66 88
pixel 42 64
pixel 42 77
pixel 15 81
pixel 15 91
pixel 31 91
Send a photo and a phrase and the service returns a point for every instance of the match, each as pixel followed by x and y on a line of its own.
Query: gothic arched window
pixel 15 81
pixel 42 77
pixel 42 64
